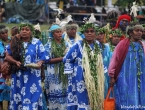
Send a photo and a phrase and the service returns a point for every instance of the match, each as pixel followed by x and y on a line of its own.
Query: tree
pixel 125 3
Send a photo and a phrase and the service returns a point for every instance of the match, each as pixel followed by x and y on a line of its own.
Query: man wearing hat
pixel 122 22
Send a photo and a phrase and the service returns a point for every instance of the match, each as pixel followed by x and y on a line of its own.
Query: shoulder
pixel 35 41
pixel 79 42
pixel 106 45
pixel 96 41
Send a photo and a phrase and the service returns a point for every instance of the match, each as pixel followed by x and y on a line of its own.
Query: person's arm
pixel 112 67
pixel 12 60
pixel 42 72
pixel 55 60
pixel 69 58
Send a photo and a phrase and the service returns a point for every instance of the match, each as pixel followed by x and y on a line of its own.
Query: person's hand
pixel 39 64
pixel 18 63
pixel 112 81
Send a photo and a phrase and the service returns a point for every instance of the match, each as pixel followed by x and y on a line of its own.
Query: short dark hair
pixel 2 26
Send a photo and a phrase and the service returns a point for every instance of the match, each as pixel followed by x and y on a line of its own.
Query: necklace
pixel 24 48
pixel 138 63
pixel 111 47
pixel 58 51
pixel 92 59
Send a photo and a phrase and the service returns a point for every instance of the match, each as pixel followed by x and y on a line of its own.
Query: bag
pixel 109 103
pixel 6 68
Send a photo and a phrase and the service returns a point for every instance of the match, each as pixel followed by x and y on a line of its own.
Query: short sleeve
pixel 9 50
pixel 42 54
pixel 69 59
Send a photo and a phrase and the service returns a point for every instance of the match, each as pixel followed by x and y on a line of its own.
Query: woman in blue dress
pixel 26 90
pixel 55 79
pixel 127 70
pixel 105 50
pixel 84 65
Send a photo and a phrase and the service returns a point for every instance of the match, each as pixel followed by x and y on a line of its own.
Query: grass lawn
pixel 44 27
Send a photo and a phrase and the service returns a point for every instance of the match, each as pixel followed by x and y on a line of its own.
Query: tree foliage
pixel 125 3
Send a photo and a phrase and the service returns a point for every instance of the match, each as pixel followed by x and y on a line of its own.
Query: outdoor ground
pixel 44 27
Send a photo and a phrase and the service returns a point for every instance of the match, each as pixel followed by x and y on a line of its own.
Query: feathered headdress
pixel 90 23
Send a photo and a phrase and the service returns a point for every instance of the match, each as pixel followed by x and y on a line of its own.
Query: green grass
pixel 44 27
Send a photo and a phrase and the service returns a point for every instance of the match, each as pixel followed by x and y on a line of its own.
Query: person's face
pixel 123 24
pixel 14 31
pixel 100 37
pixel 115 40
pixel 90 34
pixel 143 35
pixel 4 35
pixel 57 35
pixel 113 23
pixel 136 34
pixel 25 32
pixel 72 32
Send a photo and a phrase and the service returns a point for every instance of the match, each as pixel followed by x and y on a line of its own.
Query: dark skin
pixel 124 25
pixel 115 40
pixel 136 35
pixel 25 34
pixel 113 23
pixel 71 32
pixel 143 35
pixel 4 36
pixel 90 35
pixel 57 37
pixel 100 37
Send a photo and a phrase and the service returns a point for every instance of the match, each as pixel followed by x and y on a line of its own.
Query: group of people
pixel 77 68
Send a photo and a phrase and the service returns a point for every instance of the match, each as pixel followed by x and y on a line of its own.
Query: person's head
pixel 143 34
pixel 71 29
pixel 26 31
pixel 55 32
pixel 114 36
pixel 89 31
pixel 2 4
pixel 15 31
pixel 3 32
pixel 135 32
pixel 123 22
pixel 100 35
pixel 112 18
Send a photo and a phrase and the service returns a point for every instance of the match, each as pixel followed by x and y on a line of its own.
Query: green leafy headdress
pixel 90 23
pixel 87 26
pixel 132 26
pixel 28 25
pixel 117 32
pixel 101 30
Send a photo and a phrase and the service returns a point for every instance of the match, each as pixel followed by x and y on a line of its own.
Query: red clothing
pixel 118 57
pixel 125 16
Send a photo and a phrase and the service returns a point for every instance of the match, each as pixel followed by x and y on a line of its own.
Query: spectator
pixel 2 10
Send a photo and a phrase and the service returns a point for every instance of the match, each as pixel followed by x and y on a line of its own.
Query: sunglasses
pixel 91 31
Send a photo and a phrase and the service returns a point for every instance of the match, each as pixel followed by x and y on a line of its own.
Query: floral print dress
pixel 77 92
pixel 56 94
pixel 26 90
